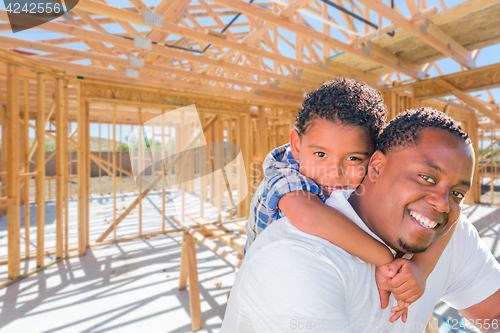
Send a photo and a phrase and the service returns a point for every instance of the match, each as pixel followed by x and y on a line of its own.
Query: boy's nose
pixel 336 172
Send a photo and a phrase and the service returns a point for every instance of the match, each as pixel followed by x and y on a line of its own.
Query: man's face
pixel 419 190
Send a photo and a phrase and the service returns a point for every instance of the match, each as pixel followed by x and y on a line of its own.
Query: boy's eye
pixel 457 194
pixel 353 158
pixel 428 179
pixel 320 154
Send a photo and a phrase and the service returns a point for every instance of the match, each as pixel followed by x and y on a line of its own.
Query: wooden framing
pixel 40 163
pixel 246 89
pixel 12 146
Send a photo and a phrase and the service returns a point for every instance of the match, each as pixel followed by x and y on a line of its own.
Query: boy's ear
pixel 376 164
pixel 295 143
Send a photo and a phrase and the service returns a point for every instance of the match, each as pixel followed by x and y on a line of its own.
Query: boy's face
pixel 334 155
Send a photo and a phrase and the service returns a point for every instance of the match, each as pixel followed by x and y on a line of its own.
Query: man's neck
pixel 360 204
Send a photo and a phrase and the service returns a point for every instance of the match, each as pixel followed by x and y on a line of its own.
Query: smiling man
pixel 412 194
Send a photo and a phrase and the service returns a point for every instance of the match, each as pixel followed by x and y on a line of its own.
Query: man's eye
pixel 320 154
pixel 353 158
pixel 428 179
pixel 459 195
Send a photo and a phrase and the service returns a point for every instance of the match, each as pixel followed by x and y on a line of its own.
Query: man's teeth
pixel 424 221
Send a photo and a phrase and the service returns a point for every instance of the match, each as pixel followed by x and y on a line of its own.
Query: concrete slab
pixel 133 286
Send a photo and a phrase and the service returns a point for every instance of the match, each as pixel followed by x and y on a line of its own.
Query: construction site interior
pixel 92 239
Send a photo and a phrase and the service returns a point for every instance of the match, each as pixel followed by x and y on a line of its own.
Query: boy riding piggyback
pixel 329 150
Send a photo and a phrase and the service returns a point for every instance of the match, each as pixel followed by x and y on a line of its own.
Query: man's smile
pixel 424 221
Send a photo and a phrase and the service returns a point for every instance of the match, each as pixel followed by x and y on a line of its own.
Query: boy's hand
pixel 405 279
pixel 400 310
pixel 383 287
pixel 382 275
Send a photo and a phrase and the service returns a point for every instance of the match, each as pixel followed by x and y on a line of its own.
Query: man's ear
pixel 375 166
pixel 295 143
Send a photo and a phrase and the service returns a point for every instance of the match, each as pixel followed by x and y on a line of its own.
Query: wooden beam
pixel 13 147
pixel 101 163
pixel 468 99
pixel 231 259
pixel 384 58
pixel 158 50
pixel 476 79
pixel 414 18
pixel 125 63
pixel 25 62
pixel 426 31
pixel 109 74
pixel 114 12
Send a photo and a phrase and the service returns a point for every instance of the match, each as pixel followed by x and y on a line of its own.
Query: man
pixel 291 281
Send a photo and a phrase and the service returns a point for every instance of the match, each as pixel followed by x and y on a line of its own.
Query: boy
pixel 329 149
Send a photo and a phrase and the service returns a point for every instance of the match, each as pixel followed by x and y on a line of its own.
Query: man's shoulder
pixel 283 241
pixel 465 230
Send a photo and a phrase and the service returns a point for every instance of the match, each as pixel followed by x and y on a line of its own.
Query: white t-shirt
pixel 291 281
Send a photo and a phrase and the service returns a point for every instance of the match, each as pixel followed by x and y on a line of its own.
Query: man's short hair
pixel 349 101
pixel 403 131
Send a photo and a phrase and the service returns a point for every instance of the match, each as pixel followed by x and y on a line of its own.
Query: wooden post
pixel 121 160
pixel 153 152
pixel 40 167
pixel 141 154
pixel 99 167
pixel 3 166
pixel 163 197
pixel 474 195
pixel 194 287
pixel 114 170
pixel 183 271
pixel 65 170
pixel 131 154
pixel 492 170
pixel 218 179
pixel 431 326
pixel 26 160
pixel 109 158
pixel 86 146
pixel 244 132
pixel 81 171
pixel 12 146
pixel 179 171
pixel 262 128
pixel 229 170
pixel 61 135
pixel 204 175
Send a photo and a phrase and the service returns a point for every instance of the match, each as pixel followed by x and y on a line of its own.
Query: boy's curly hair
pixel 404 129
pixel 345 100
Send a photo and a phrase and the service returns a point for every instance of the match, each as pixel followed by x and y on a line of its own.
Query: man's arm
pixel 485 313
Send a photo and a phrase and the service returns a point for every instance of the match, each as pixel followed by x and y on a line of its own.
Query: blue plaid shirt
pixel 281 175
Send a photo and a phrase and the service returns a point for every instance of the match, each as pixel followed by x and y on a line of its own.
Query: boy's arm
pixel 409 282
pixel 309 214
pixel 428 259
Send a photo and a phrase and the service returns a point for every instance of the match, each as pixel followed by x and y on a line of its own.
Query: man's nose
pixel 439 199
